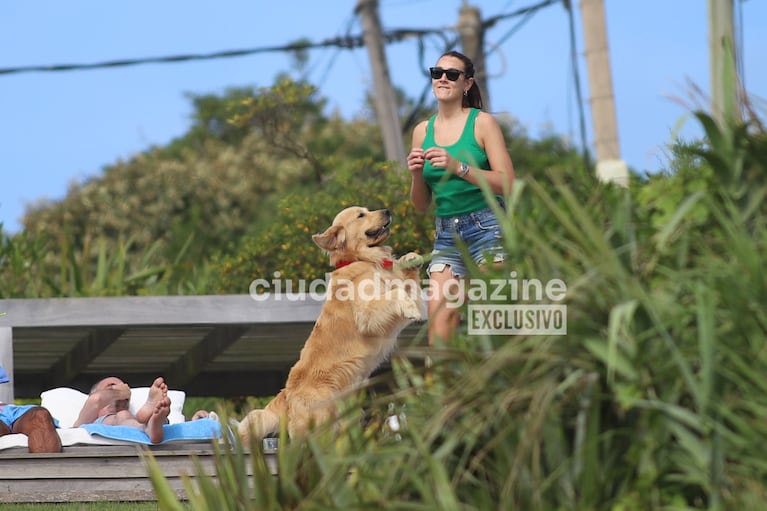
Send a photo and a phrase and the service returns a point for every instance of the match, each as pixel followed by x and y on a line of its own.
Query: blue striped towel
pixel 200 429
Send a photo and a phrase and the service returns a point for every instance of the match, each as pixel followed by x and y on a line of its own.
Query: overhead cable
pixel 489 22
pixel 349 42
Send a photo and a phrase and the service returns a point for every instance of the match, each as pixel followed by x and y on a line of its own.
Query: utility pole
pixel 385 101
pixel 725 101
pixel 473 45
pixel 610 167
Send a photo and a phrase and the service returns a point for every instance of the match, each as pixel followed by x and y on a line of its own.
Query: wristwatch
pixel 464 169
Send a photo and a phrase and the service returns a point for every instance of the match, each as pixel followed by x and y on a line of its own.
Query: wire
pixel 738 44
pixel 526 13
pixel 327 69
pixel 344 42
pixel 448 45
pixel 519 12
pixel 341 42
pixel 527 16
pixel 577 83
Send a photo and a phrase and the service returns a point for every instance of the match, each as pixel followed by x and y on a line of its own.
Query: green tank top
pixel 455 196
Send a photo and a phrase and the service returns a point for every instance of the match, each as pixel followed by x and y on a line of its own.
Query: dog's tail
pixel 257 424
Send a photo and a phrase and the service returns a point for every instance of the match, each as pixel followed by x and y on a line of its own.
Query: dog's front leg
pixel 259 423
pixel 306 412
pixel 375 315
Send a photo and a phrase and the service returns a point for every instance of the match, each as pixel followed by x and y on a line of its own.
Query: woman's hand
pixel 440 158
pixel 415 160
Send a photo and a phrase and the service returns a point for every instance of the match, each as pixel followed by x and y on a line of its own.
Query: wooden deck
pixel 228 345
pixel 100 473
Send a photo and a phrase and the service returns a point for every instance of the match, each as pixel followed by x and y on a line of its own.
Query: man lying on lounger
pixel 35 422
pixel 108 403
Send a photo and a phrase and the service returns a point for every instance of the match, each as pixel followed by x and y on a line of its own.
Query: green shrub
pixel 284 246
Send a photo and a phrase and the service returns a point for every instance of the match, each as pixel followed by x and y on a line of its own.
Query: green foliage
pixel 223 407
pixel 284 246
pixel 97 268
pixel 255 163
pixel 281 116
pixel 210 121
pixel 150 225
pixel 18 258
pixel 654 400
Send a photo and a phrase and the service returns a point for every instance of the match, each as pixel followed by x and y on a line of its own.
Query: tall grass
pixel 655 398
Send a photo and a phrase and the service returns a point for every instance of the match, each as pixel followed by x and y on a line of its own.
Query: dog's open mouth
pixel 378 235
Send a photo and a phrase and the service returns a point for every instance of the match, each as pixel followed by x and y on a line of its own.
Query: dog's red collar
pixel 388 264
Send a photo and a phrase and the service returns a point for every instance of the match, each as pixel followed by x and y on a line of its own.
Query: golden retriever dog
pixel 370 299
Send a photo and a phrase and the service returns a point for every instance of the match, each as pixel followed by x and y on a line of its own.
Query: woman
pixel 455 153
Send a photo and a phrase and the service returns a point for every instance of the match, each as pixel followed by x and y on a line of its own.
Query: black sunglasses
pixel 452 74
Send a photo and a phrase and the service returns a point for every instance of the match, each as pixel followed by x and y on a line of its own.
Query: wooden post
pixel 472 43
pixel 723 58
pixel 6 361
pixel 610 167
pixel 385 100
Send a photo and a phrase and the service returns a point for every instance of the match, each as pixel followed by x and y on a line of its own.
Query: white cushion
pixel 65 403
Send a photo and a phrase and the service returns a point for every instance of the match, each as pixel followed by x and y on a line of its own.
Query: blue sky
pixel 62 128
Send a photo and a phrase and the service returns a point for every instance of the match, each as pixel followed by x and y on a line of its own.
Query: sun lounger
pixel 102 462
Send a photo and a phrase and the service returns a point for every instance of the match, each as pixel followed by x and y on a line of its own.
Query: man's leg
pixel 40 429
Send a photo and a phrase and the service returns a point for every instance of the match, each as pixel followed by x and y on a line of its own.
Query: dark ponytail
pixel 473 97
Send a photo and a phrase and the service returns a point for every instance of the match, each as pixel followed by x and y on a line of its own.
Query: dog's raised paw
pixel 410 260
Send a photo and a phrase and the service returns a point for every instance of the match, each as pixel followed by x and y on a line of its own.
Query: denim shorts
pixel 480 236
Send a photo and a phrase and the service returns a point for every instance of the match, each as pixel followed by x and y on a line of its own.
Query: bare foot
pixel 157 420
pixel 157 392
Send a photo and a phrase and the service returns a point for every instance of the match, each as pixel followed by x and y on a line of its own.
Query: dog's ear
pixel 332 239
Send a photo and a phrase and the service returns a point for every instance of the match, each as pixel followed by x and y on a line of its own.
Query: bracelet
pixel 464 170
